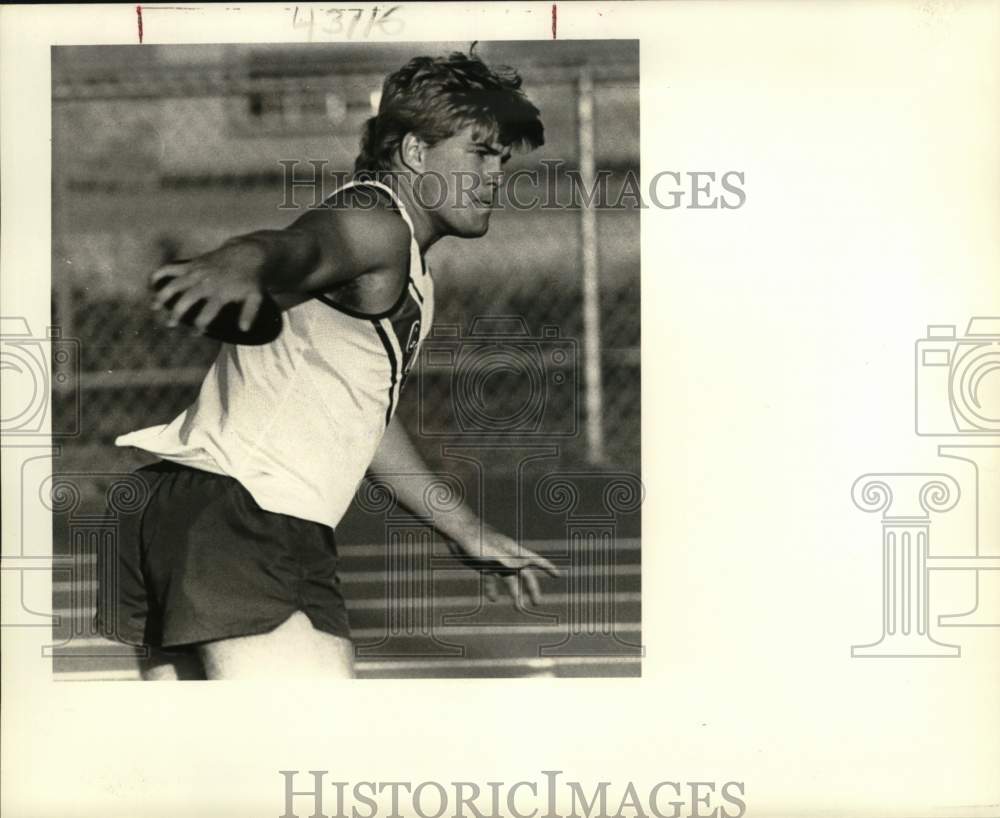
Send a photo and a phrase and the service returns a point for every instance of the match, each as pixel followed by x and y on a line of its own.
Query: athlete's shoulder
pixel 372 213
pixel 362 227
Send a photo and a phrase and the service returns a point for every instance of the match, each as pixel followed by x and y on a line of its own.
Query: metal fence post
pixel 594 398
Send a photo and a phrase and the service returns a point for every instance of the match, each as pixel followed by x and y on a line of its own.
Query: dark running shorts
pixel 202 561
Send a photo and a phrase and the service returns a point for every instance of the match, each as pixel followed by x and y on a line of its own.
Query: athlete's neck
pixel 425 229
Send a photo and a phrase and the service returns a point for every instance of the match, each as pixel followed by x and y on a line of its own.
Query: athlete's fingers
pixel 546 566
pixel 512 586
pixel 207 313
pixel 249 310
pixel 529 559
pixel 161 298
pixel 508 564
pixel 185 303
pixel 180 284
pixel 490 587
pixel 513 556
pixel 175 268
pixel 531 586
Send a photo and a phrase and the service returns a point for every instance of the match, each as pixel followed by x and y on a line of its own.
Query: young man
pixel 231 572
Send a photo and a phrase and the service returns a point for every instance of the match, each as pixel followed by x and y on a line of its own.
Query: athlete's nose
pixel 492 169
pixel 492 182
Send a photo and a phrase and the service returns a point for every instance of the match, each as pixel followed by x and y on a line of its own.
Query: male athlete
pixel 231 572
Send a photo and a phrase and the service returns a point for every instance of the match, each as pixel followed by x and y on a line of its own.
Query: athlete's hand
pixel 228 275
pixel 499 558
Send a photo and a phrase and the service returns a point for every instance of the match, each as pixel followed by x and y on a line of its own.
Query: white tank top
pixel 297 421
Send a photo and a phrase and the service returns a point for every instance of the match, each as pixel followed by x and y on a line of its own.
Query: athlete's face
pixel 461 181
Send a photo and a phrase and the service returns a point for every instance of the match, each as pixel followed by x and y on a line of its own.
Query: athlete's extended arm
pixel 475 543
pixel 321 250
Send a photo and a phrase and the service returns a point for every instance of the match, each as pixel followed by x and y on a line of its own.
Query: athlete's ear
pixel 411 152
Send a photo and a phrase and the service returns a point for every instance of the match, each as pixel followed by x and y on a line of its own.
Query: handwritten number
pixel 382 19
pixel 385 24
pixel 358 14
pixel 301 20
pixel 371 22
pixel 337 19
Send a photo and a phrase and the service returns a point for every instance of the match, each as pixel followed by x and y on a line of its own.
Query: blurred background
pixel 162 152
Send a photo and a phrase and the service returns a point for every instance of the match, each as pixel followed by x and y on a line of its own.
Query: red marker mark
pixel 553 21
pixel 138 14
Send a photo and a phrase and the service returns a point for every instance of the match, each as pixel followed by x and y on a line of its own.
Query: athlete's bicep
pixel 351 242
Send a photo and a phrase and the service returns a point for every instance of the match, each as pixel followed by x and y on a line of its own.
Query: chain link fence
pixel 165 152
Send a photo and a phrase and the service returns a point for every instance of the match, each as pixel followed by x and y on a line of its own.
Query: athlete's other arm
pixel 324 248
pixel 399 464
